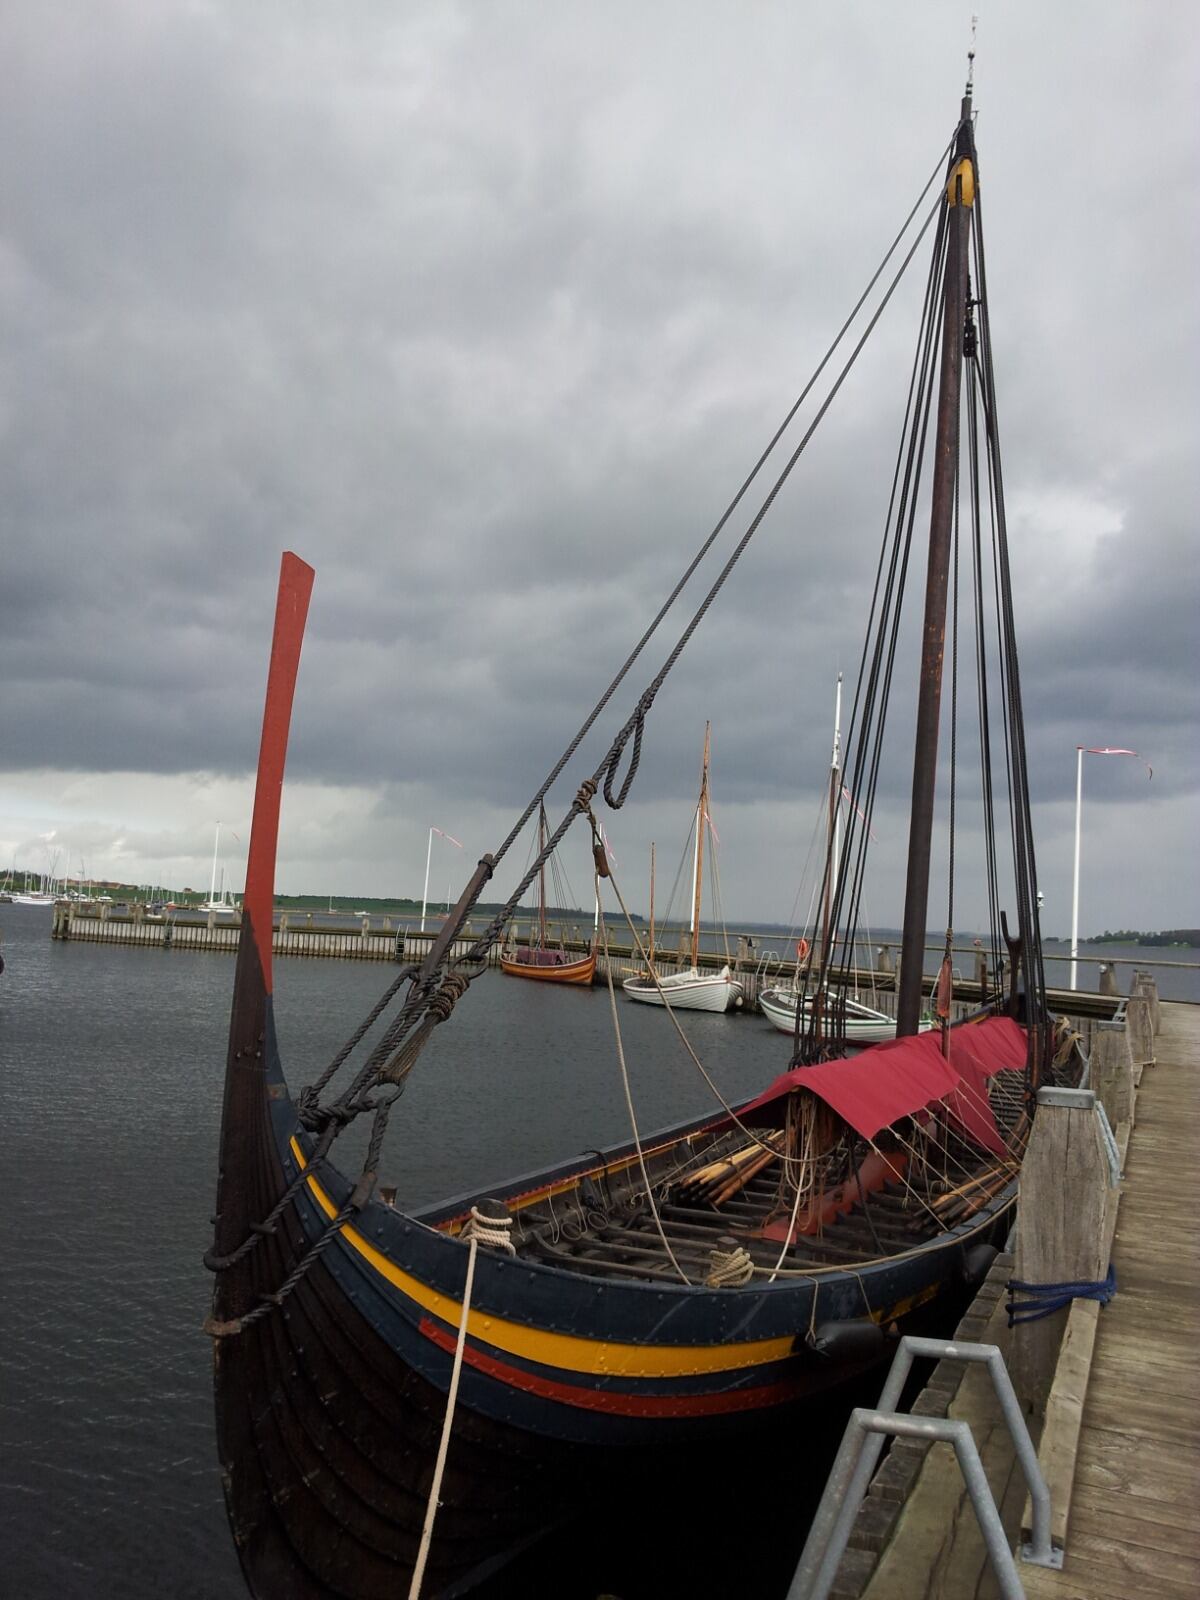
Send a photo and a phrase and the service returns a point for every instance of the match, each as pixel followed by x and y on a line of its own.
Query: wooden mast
pixel 960 197
pixel 651 962
pixel 832 841
pixel 541 879
pixel 698 863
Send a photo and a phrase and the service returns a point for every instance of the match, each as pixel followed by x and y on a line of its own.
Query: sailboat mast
pixel 212 884
pixel 652 902
pixel 960 197
pixel 541 879
pixel 833 838
pixel 698 858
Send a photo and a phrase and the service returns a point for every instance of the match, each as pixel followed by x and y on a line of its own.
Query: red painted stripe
pixel 291 613
pixel 625 1405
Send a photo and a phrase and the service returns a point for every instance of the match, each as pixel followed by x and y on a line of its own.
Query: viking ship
pixel 541 959
pixel 403 1399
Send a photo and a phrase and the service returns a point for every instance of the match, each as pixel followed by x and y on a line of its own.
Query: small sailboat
pixel 691 989
pixel 219 902
pixel 790 1006
pixel 540 958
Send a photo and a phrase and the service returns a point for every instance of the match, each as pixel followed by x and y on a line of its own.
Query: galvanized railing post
pixel 860 1450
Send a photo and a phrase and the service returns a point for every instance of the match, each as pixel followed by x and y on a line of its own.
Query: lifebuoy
pixel 801 949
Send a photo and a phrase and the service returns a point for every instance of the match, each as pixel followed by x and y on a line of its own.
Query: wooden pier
pixel 1134 1522
pixel 1120 1446
pixel 381 938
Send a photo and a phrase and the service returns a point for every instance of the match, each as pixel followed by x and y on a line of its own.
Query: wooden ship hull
pixel 534 964
pixel 577 1352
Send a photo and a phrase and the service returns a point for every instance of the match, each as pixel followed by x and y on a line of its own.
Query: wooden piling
pixel 1112 1071
pixel 1145 988
pixel 1061 1236
pixel 1140 1027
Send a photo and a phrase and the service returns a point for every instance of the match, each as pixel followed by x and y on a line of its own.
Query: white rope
pixel 494 1231
pixel 637 1138
pixel 683 1038
pixel 451 1400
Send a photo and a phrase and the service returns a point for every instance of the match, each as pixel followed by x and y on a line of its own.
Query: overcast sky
pixel 485 310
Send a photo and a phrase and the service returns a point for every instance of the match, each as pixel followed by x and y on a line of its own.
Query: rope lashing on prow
pixel 1044 1299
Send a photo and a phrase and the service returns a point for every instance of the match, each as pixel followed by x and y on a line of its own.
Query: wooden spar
pixel 651 956
pixel 698 860
pixel 832 852
pixel 960 195
pixel 541 879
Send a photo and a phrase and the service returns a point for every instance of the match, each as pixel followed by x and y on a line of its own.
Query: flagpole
pixel 425 892
pixel 442 834
pixel 1074 893
pixel 1080 752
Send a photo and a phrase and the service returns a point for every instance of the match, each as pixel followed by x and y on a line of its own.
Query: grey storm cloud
pixel 487 311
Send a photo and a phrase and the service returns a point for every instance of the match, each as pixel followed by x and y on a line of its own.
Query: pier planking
pixel 1132 1527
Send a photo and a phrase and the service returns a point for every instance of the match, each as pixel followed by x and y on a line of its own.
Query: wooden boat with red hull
pixel 540 959
pixel 403 1399
pixel 548 966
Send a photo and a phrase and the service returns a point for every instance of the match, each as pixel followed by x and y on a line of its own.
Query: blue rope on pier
pixel 1047 1298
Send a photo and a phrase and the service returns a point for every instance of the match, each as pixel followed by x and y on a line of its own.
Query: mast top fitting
pixel 962 184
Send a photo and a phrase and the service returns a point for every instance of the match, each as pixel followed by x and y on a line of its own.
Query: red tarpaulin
pixel 903 1076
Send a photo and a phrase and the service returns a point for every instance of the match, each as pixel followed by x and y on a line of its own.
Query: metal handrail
pixel 859 1454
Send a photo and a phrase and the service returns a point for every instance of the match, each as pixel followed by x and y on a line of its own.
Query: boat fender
pixel 977 1263
pixel 856 1340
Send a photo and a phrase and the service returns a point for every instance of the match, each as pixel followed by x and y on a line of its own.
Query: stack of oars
pixel 721 1180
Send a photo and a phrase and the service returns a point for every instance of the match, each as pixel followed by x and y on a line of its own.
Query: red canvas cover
pixel 903 1076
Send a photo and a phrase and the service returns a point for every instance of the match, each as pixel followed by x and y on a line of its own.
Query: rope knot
pixel 491 1227
pixel 587 790
pixel 634 726
pixel 441 1004
pixel 729 1269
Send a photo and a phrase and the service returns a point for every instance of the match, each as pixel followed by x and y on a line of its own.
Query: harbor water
pixel 111 1065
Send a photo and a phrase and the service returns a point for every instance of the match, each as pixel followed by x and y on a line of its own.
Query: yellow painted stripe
pixel 566 1351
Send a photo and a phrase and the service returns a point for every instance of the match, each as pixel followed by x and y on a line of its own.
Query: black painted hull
pixel 330 1408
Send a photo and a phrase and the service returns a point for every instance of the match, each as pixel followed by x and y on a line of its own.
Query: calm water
pixel 111 1063
pixel 110 1085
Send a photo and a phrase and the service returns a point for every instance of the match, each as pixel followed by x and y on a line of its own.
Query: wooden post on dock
pixel 1112 1071
pixel 1140 1025
pixel 1108 978
pixel 1061 1236
pixel 1146 988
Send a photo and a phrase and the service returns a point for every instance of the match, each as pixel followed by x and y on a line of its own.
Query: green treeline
pixel 1177 936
